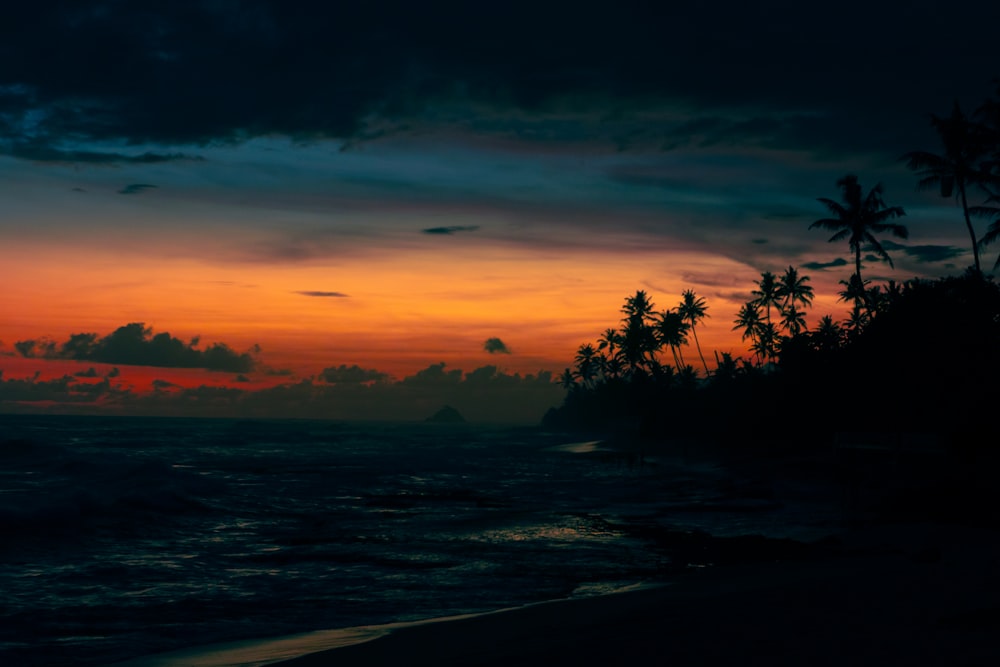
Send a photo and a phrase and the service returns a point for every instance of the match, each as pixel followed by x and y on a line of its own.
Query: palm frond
pixel 984 211
pixel 924 160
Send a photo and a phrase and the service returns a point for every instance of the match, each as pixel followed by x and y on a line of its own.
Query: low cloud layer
pixel 340 392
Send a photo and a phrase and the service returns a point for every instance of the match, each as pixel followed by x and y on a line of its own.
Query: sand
pixel 903 594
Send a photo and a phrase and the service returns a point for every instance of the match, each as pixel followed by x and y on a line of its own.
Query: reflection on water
pixel 152 535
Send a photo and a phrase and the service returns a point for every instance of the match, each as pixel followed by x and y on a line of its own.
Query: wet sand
pixel 905 594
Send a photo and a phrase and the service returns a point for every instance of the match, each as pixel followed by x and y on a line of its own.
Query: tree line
pixel 638 368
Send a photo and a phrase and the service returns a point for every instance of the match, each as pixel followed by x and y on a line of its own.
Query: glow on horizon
pixel 399 313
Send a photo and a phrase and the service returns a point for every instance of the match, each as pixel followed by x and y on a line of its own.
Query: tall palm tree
pixel 792 289
pixel 963 164
pixel 694 310
pixel 859 217
pixel 766 295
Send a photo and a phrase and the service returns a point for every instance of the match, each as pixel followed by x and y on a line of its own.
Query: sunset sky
pixel 391 184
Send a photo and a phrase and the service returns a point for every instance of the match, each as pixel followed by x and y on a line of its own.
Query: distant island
pixel 446 415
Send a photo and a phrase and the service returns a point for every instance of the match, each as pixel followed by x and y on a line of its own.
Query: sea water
pixel 124 537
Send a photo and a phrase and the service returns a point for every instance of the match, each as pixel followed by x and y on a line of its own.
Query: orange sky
pixel 398 313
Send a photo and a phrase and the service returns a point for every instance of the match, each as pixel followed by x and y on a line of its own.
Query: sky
pixel 394 185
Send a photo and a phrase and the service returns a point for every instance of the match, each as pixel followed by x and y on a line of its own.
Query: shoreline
pixel 917 593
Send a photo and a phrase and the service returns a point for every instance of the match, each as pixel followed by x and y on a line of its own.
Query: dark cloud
pixel 322 295
pixel 135 188
pixel 451 229
pixel 435 374
pixel 37 152
pixel 926 253
pixel 162 385
pixel 344 374
pixel 820 266
pixel 89 373
pixel 496 346
pixel 484 394
pixel 135 344
pixel 200 71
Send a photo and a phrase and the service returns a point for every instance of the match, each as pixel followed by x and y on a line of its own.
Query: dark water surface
pixel 122 537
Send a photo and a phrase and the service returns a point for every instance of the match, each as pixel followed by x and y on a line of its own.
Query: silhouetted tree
pixel 638 339
pixel 672 331
pixel 963 164
pixel 586 364
pixel 692 308
pixel 567 379
pixel 793 320
pixel 749 321
pixel 792 289
pixel 766 345
pixel 855 290
pixel 859 218
pixel 767 295
pixel 828 335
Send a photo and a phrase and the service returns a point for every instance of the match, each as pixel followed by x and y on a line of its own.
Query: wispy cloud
pixel 322 295
pixel 820 266
pixel 452 229
pixel 135 188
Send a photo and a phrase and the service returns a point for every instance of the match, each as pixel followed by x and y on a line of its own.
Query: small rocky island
pixel 446 415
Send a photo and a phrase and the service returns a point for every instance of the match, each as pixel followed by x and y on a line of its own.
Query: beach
pixel 901 594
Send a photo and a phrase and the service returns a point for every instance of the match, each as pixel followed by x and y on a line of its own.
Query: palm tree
pixel 693 309
pixel 964 164
pixel 855 290
pixel 610 340
pixel 857 320
pixel 766 294
pixel 749 320
pixel 638 341
pixel 567 379
pixel 766 345
pixel 828 334
pixel 793 320
pixel 638 305
pixel 792 289
pixel 859 217
pixel 672 331
pixel 586 363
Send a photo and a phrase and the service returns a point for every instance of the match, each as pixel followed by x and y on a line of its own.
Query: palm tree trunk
pixel 968 224
pixel 698 345
pixel 677 361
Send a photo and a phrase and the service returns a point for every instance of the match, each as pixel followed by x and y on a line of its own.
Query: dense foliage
pixel 917 357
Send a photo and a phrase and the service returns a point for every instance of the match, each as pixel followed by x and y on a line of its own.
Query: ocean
pixel 125 537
